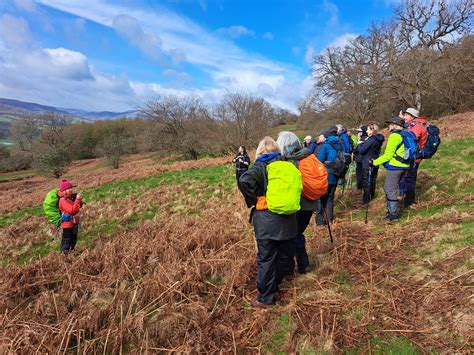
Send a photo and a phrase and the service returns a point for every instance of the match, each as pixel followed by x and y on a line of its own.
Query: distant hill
pixel 16 108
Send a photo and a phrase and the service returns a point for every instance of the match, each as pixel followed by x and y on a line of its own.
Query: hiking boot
pixel 305 270
pixel 391 218
pixel 259 305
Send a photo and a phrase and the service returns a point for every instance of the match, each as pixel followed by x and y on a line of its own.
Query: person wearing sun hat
pixel 416 124
pixel 390 159
pixel 70 205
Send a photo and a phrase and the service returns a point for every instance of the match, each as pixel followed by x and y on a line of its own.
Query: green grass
pixel 210 176
pixel 6 142
pixel 282 333
pixel 15 176
pixel 382 345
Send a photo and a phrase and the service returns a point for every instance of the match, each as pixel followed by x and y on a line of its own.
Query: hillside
pixel 166 262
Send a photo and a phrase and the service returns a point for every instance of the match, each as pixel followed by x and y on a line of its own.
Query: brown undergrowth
pixel 18 194
pixel 180 283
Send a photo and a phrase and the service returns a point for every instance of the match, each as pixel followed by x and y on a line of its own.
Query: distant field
pixel 6 142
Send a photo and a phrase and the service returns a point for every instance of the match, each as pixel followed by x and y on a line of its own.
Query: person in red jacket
pixel 417 125
pixel 69 205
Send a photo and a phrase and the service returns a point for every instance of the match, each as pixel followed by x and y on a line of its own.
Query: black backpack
pixel 432 143
pixel 338 165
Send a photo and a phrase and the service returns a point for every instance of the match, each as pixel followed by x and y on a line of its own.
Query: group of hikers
pixel 291 181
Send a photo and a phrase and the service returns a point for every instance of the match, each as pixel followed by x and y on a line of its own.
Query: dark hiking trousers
pixel 392 180
pixel 302 260
pixel 238 174
pixel 369 186
pixel 326 202
pixel 274 260
pixel 359 175
pixel 410 186
pixel 69 239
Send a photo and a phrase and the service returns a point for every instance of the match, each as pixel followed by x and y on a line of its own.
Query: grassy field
pixel 167 262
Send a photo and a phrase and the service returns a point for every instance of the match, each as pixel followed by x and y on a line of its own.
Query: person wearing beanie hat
pixel 391 160
pixel 70 205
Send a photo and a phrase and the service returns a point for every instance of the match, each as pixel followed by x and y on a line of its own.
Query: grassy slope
pixel 432 243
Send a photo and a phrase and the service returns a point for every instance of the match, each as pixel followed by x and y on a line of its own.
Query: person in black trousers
pixel 361 137
pixel 242 162
pixel 370 150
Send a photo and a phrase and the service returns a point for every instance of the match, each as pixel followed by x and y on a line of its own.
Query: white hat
pixel 307 139
pixel 413 111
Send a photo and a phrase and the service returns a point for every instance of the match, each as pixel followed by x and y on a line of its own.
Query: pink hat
pixel 65 185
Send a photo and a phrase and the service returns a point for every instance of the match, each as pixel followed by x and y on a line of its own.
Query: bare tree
pixel 424 26
pixel 252 115
pixel 25 130
pixel 51 150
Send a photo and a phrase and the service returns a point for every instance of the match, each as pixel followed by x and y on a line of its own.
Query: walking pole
pixel 328 223
pixel 368 201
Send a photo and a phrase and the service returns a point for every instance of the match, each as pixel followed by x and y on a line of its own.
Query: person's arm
pixel 393 142
pixel 246 160
pixel 69 207
pixel 249 184
pixel 364 147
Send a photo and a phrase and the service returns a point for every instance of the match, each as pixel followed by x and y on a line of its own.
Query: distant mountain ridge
pixel 16 108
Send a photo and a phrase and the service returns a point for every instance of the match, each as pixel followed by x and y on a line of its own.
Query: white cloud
pixel 342 40
pixel 14 31
pixel 309 55
pixel 268 35
pixel 129 27
pixel 26 5
pixel 228 66
pixel 333 12
pixel 236 31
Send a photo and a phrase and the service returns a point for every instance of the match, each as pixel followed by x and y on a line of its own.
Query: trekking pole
pixel 329 224
pixel 368 201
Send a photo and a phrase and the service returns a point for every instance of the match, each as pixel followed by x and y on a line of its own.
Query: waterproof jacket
pixel 70 210
pixel 346 141
pixel 418 126
pixel 370 149
pixel 267 224
pixel 357 156
pixel 312 145
pixel 394 148
pixel 327 154
pixel 241 166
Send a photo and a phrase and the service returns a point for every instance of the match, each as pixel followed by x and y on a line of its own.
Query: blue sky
pixel 115 55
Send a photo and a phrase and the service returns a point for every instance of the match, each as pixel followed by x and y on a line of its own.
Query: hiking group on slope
pixel 289 182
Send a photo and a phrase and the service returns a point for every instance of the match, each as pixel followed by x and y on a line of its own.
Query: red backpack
pixel 315 177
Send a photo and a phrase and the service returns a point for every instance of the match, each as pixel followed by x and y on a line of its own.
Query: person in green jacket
pixel 395 168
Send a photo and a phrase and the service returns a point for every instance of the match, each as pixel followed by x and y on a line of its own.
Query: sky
pixel 104 55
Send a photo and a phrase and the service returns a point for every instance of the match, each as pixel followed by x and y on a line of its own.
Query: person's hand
pixel 371 163
pixel 79 196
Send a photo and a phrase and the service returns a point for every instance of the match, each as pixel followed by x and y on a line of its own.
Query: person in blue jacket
pixel 327 153
pixel 347 147
pixel 310 144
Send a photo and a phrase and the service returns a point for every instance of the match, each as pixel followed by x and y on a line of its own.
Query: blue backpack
pixel 432 143
pixel 411 147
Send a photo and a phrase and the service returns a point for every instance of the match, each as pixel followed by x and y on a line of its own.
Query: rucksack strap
pixel 333 147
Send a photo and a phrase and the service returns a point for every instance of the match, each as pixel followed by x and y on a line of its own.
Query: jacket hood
pixel 298 155
pixel 268 156
pixel 333 139
pixel 379 137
